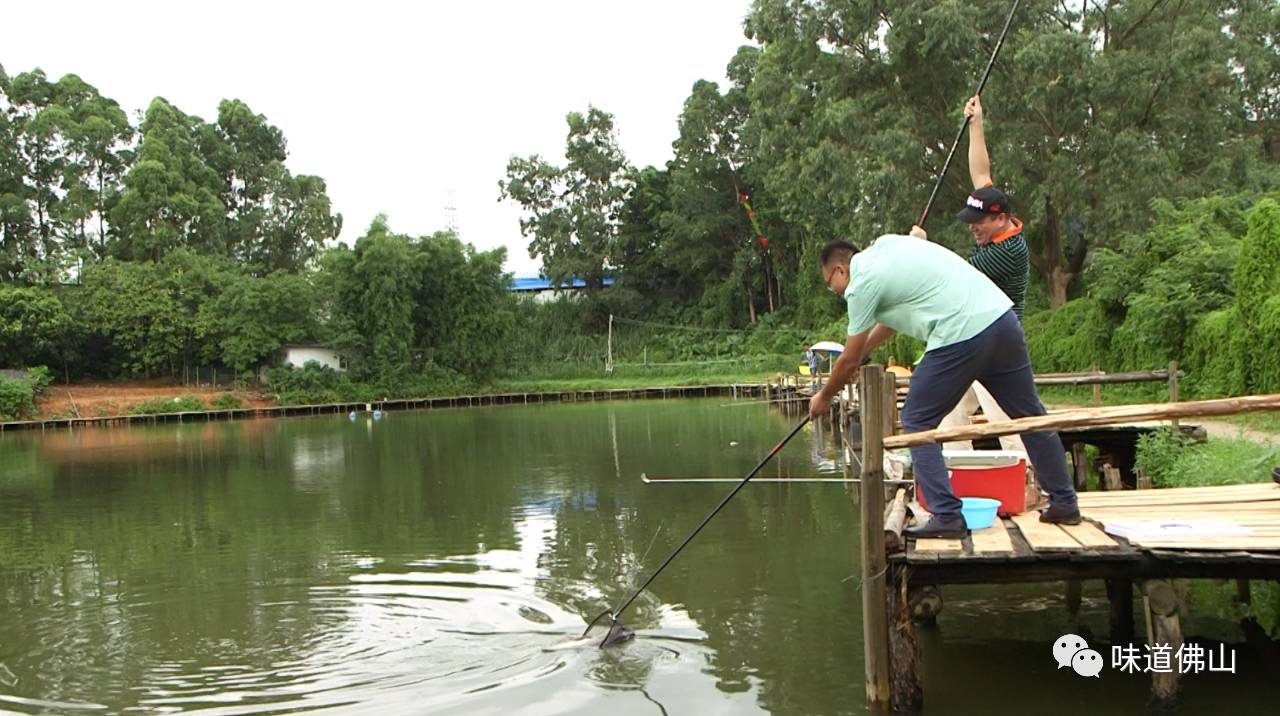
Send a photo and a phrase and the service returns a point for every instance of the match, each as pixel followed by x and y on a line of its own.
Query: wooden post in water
pixel 1173 391
pixel 1165 631
pixel 1120 594
pixel 906 692
pixel 875 627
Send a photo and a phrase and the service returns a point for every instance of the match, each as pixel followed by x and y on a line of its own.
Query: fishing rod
pixel 618 632
pixel 648 479
pixel 965 124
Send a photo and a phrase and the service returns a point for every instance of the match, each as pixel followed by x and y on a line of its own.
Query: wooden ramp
pixel 1071 550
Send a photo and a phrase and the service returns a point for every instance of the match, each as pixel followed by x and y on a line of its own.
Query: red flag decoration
pixel 751 215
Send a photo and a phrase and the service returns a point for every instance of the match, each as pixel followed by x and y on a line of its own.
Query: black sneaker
pixel 1275 474
pixel 1057 516
pixel 949 527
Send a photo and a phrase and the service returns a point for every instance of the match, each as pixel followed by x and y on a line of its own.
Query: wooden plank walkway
pixel 1070 550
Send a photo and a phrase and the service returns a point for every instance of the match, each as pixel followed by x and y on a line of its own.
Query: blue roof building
pixel 540 287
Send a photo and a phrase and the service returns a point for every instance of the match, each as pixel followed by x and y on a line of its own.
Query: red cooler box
pixel 997 474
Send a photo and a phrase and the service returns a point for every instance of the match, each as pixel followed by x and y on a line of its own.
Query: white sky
pixel 401 107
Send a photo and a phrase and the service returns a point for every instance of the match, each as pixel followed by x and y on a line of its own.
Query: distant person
pixel 812 358
pixel 971 334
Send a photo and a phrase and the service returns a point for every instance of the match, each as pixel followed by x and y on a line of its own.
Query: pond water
pixel 440 562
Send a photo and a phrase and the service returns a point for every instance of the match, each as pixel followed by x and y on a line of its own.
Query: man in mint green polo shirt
pixel 901 283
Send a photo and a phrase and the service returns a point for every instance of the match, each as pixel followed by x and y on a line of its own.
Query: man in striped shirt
pixel 999 249
pixel 999 252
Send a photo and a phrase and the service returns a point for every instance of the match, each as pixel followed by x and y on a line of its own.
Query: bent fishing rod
pixel 937 186
pixel 618 631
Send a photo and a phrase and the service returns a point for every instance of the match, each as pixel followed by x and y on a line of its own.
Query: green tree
pixel 251 318
pixel 1257 285
pixel 642 245
pixel 97 133
pixel 275 221
pixel 36 121
pixel 1157 284
pixel 33 323
pixel 62 149
pixel 708 236
pixel 133 308
pixel 171 195
pixel 853 114
pixel 371 290
pixel 573 211
pixel 16 227
pixel 463 307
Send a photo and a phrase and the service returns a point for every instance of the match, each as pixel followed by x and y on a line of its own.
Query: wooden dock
pixel 902 577
pixel 1020 548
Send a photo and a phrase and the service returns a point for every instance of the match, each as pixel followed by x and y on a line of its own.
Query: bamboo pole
pixel 1089 377
pixel 890 412
pixel 874 592
pixel 1097 388
pixel 1089 417
pixel 1173 389
pixel 895 517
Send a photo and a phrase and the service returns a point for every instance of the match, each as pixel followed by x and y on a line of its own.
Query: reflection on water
pixel 445 562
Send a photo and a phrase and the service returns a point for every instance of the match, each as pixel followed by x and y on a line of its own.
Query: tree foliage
pixel 573 211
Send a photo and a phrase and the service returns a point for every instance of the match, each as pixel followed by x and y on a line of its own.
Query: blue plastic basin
pixel 979 512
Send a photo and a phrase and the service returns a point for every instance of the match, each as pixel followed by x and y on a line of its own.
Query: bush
pixel 226 401
pixel 41 378
pixel 1070 338
pixel 17 399
pixel 1215 354
pixel 1173 462
pixel 1158 454
pixel 1265 352
pixel 180 404
pixel 311 384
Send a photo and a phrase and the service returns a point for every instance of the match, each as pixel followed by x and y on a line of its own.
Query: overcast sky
pixel 401 107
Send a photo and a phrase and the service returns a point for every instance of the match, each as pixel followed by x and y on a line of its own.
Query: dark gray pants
pixel 997 357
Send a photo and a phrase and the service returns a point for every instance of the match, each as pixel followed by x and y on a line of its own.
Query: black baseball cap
pixel 987 201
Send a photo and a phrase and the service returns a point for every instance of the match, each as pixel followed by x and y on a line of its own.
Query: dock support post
pixel 1111 479
pixel 907 689
pixel 1080 466
pixel 1160 601
pixel 875 626
pixel 926 603
pixel 1075 596
pixel 1120 594
pixel 1173 391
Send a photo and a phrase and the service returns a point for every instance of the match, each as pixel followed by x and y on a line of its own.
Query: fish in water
pixel 580 642
pixel 617 634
